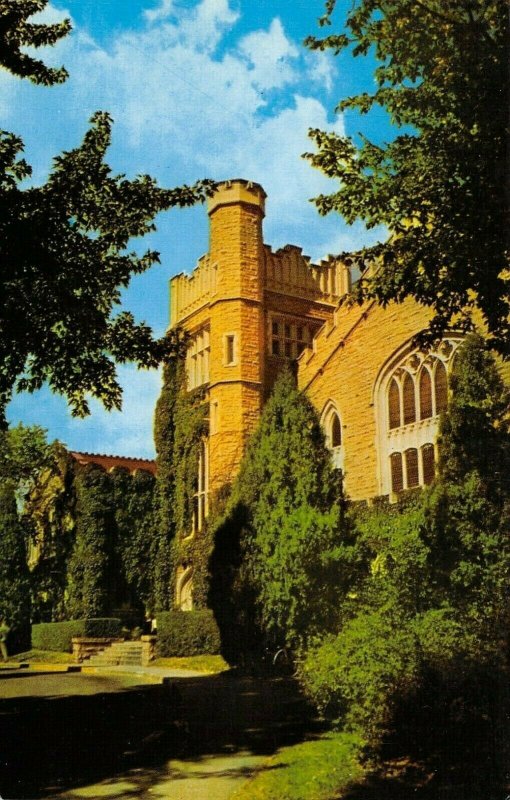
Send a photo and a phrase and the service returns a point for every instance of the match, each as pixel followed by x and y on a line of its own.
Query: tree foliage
pixel 88 569
pixel 27 463
pixel 286 513
pixel 14 580
pixel 16 32
pixel 65 244
pixel 441 185
pixel 469 510
pixel 432 597
pixel 49 516
pixel 180 426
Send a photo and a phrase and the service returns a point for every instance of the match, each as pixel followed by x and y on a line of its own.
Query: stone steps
pixel 118 654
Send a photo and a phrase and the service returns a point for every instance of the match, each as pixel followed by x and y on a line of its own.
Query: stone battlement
pixel 188 293
pixel 239 264
pixel 289 272
pixel 286 271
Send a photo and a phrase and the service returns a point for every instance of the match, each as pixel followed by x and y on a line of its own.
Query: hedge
pixel 187 633
pixel 57 635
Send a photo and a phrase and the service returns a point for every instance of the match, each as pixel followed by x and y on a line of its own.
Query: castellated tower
pixel 248 311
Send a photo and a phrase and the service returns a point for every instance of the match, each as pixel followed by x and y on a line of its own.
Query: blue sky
pixel 197 88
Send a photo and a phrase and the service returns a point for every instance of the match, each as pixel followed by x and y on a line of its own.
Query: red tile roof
pixel 109 462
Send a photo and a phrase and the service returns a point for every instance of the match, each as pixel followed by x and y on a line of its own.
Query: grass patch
pixel 314 770
pixel 210 664
pixel 43 656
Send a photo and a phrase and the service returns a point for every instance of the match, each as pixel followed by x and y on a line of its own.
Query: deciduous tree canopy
pixel 63 249
pixel 441 185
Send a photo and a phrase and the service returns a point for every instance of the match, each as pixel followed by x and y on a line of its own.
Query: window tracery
pixel 289 336
pixel 411 392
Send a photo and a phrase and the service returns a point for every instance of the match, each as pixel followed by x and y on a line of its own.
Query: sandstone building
pixel 249 311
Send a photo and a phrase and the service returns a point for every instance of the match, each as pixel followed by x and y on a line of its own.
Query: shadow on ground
pixel 54 743
pixel 446 746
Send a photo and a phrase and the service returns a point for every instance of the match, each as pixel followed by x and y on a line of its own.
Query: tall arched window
pixel 409 399
pixel 200 504
pixel 397 472
pixel 336 431
pixel 332 426
pixel 412 472
pixel 394 404
pixel 425 394
pixel 441 387
pixel 428 463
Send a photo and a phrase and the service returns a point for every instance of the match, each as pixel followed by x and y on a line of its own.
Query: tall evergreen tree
pixel 432 599
pixel 14 578
pixel 469 510
pixel 287 506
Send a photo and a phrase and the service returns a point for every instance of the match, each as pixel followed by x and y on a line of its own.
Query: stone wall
pixel 343 367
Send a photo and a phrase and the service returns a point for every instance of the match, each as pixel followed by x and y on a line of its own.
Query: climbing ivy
pixel 89 573
pixel 135 504
pixel 49 512
pixel 180 426
pixel 14 578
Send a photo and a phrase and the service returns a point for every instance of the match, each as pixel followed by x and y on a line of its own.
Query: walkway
pixel 76 736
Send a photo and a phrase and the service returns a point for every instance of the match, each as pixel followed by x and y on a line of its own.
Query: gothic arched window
pixel 425 394
pixel 428 463
pixel 336 431
pixel 394 404
pixel 332 427
pixel 397 472
pixel 409 399
pixel 441 387
pixel 412 471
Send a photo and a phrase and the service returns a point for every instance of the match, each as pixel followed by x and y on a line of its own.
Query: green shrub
pixel 358 675
pixel 187 633
pixel 57 635
pixel 103 627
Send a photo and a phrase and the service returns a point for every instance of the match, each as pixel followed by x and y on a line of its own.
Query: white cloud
pixel 188 102
pixel 321 68
pixel 163 10
pixel 177 101
pixel 201 25
pixel 125 432
pixel 270 55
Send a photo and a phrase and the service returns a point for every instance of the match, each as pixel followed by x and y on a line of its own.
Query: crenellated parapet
pixel 287 271
pixel 189 293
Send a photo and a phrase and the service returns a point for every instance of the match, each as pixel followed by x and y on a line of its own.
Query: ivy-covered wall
pixel 181 424
pixel 50 512
pixel 92 539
